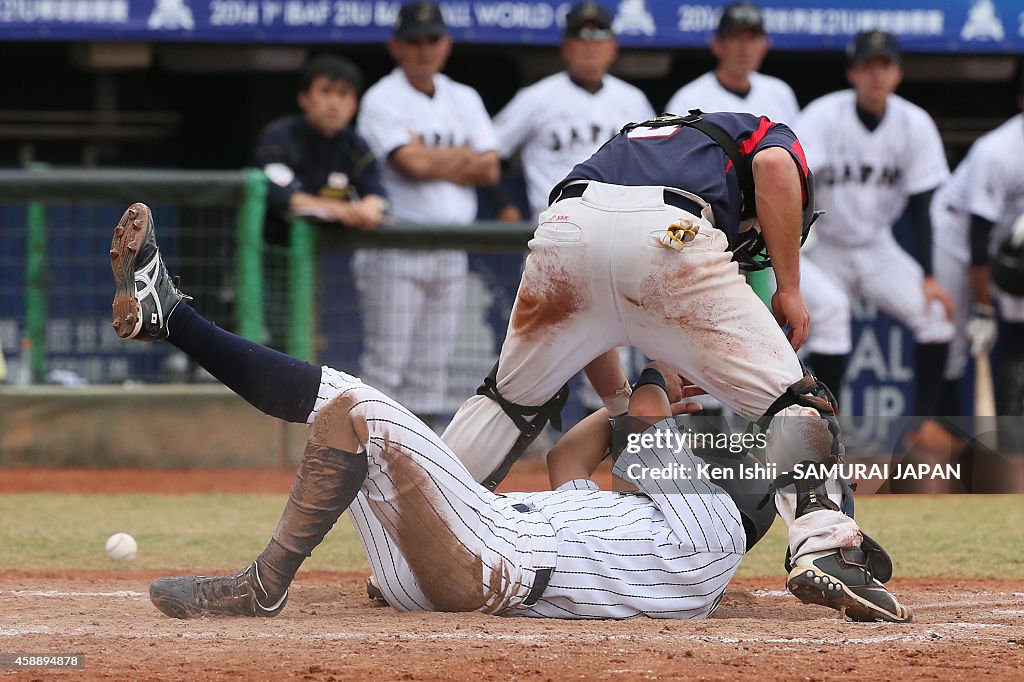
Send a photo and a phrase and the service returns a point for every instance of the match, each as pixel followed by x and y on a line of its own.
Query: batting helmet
pixel 1008 263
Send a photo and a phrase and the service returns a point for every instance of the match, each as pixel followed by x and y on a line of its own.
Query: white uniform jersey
pixel 768 96
pixel 558 124
pixel 437 540
pixel 862 177
pixel 393 114
pixel 994 186
pixel 950 219
pixel 989 183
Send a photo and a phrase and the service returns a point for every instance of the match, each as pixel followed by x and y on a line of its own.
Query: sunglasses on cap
pixel 588 33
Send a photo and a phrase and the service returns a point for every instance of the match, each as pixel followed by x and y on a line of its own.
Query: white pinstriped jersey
pixel 768 96
pixel 667 554
pixel 557 124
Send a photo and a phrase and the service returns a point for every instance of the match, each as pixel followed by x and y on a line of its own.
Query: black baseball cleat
pixel 145 296
pixel 842 580
pixel 240 594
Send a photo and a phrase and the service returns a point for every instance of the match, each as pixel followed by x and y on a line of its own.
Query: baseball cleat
pixel 240 594
pixel 145 296
pixel 841 580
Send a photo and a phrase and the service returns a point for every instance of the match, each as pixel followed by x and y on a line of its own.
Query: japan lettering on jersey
pixel 557 124
pixel 685 158
pixel 768 96
pixel 863 177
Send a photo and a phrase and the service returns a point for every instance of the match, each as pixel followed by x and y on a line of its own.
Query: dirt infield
pixel 330 631
pixel 525 476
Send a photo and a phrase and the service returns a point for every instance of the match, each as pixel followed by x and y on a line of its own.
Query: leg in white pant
pixel 434 335
pixel 435 538
pixel 829 307
pixel 390 301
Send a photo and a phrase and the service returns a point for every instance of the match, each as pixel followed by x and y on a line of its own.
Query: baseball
pixel 121 547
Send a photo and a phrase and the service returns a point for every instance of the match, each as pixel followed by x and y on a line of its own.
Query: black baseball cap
pixel 869 44
pixel 587 15
pixel 742 16
pixel 417 19
pixel 1018 80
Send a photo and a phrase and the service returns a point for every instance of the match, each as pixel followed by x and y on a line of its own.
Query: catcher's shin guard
pixel 529 429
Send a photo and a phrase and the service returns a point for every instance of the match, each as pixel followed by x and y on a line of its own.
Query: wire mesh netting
pixel 197 244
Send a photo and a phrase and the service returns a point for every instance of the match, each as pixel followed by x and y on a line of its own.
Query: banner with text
pixel 970 26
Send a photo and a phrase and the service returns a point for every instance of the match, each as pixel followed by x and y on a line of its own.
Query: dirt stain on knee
pixel 548 296
pixel 335 427
pixel 450 575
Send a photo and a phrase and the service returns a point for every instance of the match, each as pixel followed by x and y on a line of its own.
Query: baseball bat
pixel 984 394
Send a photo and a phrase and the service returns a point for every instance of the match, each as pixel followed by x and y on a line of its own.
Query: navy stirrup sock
pixel 272 382
pixel 929 365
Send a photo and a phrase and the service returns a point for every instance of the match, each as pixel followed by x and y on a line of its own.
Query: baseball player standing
pixel 874 154
pixel 436 539
pixel 637 249
pixel 973 214
pixel 437 144
pixel 562 119
pixel 740 45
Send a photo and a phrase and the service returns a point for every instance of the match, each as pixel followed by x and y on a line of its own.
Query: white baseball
pixel 121 547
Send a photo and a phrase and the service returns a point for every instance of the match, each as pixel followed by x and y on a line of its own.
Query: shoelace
pixel 215 590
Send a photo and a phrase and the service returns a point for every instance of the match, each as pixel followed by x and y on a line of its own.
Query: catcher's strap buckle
pixel 679 234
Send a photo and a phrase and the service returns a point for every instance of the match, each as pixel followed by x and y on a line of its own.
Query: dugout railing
pixel 55 283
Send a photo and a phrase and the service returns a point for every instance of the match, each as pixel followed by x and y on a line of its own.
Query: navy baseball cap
pixel 418 19
pixel 586 15
pixel 742 16
pixel 869 44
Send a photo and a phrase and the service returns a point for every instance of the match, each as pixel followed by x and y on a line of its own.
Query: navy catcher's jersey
pixel 687 159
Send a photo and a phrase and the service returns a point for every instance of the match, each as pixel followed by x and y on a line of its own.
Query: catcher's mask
pixel 751 251
pixel 1008 262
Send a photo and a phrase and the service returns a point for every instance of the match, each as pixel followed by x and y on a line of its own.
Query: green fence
pixel 55 284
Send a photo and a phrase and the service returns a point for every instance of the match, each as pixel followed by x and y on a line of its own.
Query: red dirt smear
pixel 148 481
pixel 525 476
pixel 548 295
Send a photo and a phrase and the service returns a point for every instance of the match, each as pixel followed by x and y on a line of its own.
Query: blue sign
pixel 970 26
